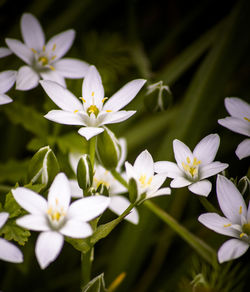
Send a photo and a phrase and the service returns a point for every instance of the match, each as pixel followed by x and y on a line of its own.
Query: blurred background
pixel 200 49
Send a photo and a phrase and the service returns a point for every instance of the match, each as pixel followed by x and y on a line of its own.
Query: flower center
pixel 43 58
pixel 56 215
pixel 93 109
pixel 191 168
pixel 246 228
pixel 144 182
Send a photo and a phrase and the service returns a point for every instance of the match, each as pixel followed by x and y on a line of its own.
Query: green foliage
pixel 96 285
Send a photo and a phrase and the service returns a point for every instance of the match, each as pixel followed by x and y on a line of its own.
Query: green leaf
pixel 96 285
pixel 79 244
pixel 11 231
pixel 13 170
pixel 133 190
pixel 11 206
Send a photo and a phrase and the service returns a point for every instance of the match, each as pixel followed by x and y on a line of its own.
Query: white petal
pixel 124 96
pixel 160 192
pixel 170 168
pixel 123 144
pixel 236 125
pixel 117 117
pixel 202 188
pixel 34 222
pixel 26 78
pixel 21 50
pixel 61 43
pixel 230 200
pixel 48 247
pixel 61 96
pixel 30 201
pixel 232 249
pixel 181 153
pixel 211 169
pixel 76 229
pixel 157 182
pixel 59 192
pixel 4 99
pixel 144 164
pixel 32 32
pixel 4 52
pixel 88 208
pixel 54 76
pixel 92 88
pixel 71 68
pixel 9 252
pixel 218 224
pixel 243 149
pixel 7 79
pixel 64 117
pixel 76 191
pixel 89 132
pixel 3 218
pixel 207 148
pixel 130 171
pixel 237 107
pixel 119 204
pixel 179 182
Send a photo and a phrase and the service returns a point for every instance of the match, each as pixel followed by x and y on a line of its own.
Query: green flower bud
pixel 84 172
pixel 133 190
pixel 43 167
pixel 108 149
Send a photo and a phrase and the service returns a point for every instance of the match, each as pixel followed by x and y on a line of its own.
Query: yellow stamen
pixel 105 98
pixel 52 68
pixel 54 47
pixel 93 109
pixel 240 211
pixel 227 225
pixel 44 48
pixel 247 119
pixel 188 160
pixel 53 58
pixel 82 99
pixel 75 111
pixel 242 234
pixel 143 181
pixel 57 202
pixel 49 211
pixel 43 60
pixel 34 51
pixel 93 93
pixel 108 111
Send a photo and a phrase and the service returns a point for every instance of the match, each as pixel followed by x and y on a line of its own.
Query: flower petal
pixel 61 43
pixel 237 107
pixel 236 125
pixel 48 247
pixel 64 117
pixel 243 149
pixel 170 168
pixel 76 191
pixel 32 32
pixel 230 200
pixel 157 182
pixel 232 249
pixel 7 79
pixel 130 171
pixel 144 164
pixel 160 192
pixel 116 117
pixel 89 132
pixel 30 201
pixel 207 148
pixel 61 96
pixel 76 229
pixel 26 78
pixel 3 218
pixel 34 222
pixel 4 99
pixel 179 182
pixel 92 88
pixel 202 188
pixel 88 208
pixel 52 75
pixel 181 152
pixel 119 204
pixel 4 52
pixel 21 50
pixel 211 169
pixel 71 68
pixel 124 96
pixel 59 192
pixel 218 224
pixel 9 252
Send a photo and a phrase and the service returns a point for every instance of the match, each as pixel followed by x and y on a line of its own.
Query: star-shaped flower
pixel 193 168
pixel 56 218
pixel 239 122
pixel 44 60
pixel 236 222
pixel 8 251
pixel 7 79
pixel 94 110
pixel 143 172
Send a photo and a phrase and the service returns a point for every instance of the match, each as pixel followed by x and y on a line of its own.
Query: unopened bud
pixel 84 172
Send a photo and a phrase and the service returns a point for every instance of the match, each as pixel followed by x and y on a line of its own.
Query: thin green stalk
pixel 201 247
pixel 207 205
pixel 92 145
pixel 86 265
pixel 118 177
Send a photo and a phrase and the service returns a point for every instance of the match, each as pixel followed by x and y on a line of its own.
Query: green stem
pixel 118 177
pixel 207 205
pixel 92 144
pixel 201 247
pixel 86 264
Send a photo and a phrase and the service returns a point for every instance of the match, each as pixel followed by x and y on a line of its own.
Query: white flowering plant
pixel 104 145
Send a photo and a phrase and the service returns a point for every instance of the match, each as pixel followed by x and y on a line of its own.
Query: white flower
pixel 95 110
pixel 44 60
pixel 8 251
pixel 236 222
pixel 118 204
pixel 56 218
pixel 7 79
pixel 147 182
pixel 193 168
pixel 4 52
pixel 239 122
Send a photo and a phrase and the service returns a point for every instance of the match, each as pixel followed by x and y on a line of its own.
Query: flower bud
pixel 133 190
pixel 108 149
pixel 43 167
pixel 84 172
